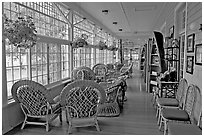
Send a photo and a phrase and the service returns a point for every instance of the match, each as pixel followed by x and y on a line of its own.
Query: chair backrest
pixel 110 66
pixel 190 100
pixel 100 70
pixel 83 73
pixel 181 91
pixel 112 93
pixel 81 98
pixel 31 96
pixel 197 108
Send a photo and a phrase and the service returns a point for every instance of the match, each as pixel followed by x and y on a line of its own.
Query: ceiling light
pixel 115 22
pixel 120 29
pixel 105 12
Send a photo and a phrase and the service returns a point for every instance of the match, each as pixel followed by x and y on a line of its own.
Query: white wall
pixel 194 17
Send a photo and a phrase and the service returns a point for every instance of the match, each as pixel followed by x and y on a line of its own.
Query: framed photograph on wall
pixel 189 64
pixel 190 42
pixel 171 32
pixel 198 54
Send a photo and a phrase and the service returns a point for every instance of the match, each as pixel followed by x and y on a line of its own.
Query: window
pixel 39 63
pixel 47 62
pixel 16 65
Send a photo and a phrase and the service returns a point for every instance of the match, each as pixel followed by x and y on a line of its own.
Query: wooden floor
pixel 137 118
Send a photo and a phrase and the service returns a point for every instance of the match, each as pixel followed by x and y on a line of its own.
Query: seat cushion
pixel 56 108
pixel 183 129
pixel 175 114
pixel 168 102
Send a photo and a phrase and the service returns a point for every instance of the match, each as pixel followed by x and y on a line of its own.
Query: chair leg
pixel 161 122
pixel 165 127
pixel 47 124
pixel 60 117
pixel 97 126
pixel 157 110
pixel 24 122
pixel 159 116
pixel 70 129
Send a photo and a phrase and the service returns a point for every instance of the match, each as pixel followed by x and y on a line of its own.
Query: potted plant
pixel 102 45
pixel 20 32
pixel 80 42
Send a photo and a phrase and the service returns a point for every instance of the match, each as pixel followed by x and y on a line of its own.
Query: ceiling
pixel 136 19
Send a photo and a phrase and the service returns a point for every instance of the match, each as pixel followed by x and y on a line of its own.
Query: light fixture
pixel 115 22
pixel 200 27
pixel 120 29
pixel 105 11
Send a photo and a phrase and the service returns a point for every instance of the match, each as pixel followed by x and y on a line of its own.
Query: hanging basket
pixel 79 43
pixel 20 32
pixel 102 45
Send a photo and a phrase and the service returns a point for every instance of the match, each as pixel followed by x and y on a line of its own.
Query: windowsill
pixel 53 85
pixel 56 84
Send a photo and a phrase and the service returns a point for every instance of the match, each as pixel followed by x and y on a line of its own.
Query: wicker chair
pixel 182 115
pixel 34 102
pixel 81 99
pixel 100 71
pixel 111 107
pixel 126 70
pixel 83 73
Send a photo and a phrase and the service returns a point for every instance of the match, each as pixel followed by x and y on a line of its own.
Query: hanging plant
pixel 102 45
pixel 20 32
pixel 80 42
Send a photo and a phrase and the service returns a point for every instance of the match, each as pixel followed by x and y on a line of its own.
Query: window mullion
pixel 48 62
pixel 29 65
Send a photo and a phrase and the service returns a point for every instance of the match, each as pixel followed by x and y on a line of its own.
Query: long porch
pixel 137 118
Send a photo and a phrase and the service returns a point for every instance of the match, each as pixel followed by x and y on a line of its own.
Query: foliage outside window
pixel 20 32
pixel 48 62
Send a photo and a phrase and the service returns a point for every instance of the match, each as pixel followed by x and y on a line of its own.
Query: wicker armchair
pixel 34 102
pixel 83 73
pixel 81 99
pixel 111 107
pixel 126 70
pixel 100 71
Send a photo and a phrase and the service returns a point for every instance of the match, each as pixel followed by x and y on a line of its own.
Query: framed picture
pixel 189 64
pixel 171 32
pixel 198 54
pixel 190 43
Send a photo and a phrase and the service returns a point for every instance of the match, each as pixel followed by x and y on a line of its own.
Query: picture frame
pixel 198 54
pixel 189 64
pixel 190 42
pixel 171 32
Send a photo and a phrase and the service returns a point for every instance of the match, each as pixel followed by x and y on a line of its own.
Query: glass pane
pixel 9 74
pixel 39 69
pixel 40 80
pixel 24 72
pixel 34 70
pixel 9 86
pixel 51 67
pixel 44 68
pixel 16 72
pixel 34 79
pixel 45 82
